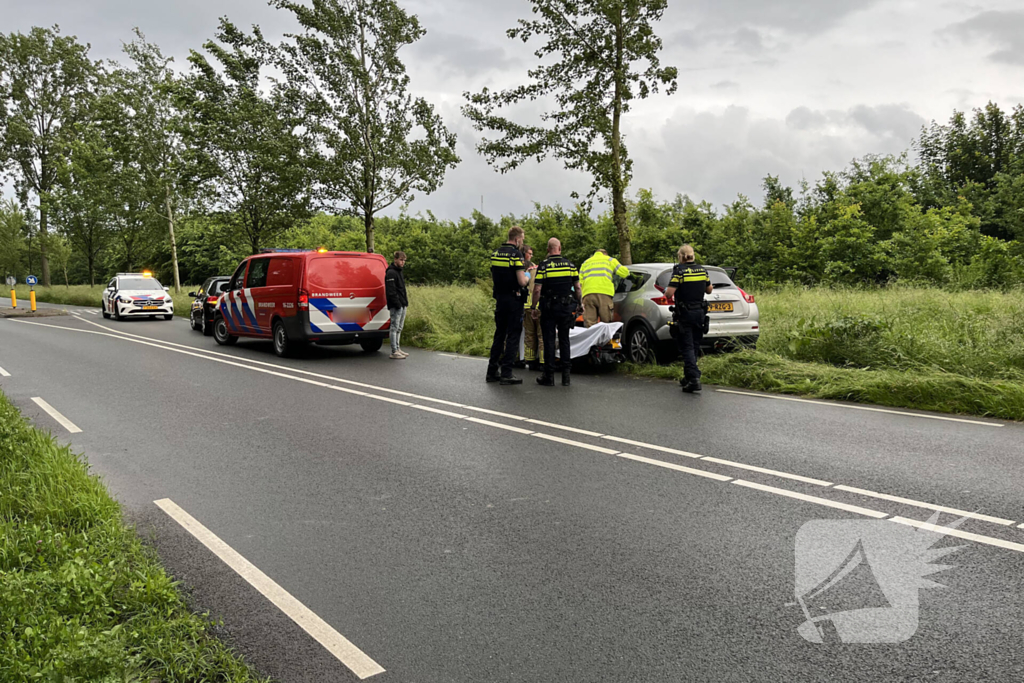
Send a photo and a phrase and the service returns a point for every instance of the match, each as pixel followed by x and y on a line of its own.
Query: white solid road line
pixel 813 499
pixel 52 412
pixel 867 408
pixel 4 373
pixel 439 411
pixel 677 468
pixel 641 444
pixel 966 535
pixel 498 425
pixel 762 470
pixel 930 506
pixel 167 346
pixel 578 444
pixel 348 654
pixel 575 430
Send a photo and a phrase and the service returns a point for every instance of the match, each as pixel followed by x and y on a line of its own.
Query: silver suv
pixel 641 305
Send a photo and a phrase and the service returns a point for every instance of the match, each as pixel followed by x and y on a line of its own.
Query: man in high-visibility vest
pixel 598 287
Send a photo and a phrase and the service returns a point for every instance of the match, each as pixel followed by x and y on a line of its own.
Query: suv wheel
pixel 103 309
pixel 192 321
pixel 221 334
pixel 283 346
pixel 640 346
pixel 207 326
pixel 372 345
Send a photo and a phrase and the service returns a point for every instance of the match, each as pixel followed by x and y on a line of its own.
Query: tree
pixel 380 145
pixel 60 253
pixel 146 124
pixel 45 83
pixel 252 149
pixel 12 240
pixel 606 55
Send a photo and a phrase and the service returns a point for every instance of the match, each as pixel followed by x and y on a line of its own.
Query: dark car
pixel 204 303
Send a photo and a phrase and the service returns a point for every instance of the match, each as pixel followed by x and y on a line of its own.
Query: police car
pixel 133 295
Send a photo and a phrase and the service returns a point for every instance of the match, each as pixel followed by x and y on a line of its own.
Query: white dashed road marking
pixel 4 373
pixel 338 645
pixel 52 412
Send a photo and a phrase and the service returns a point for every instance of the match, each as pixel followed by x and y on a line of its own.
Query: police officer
pixel 558 292
pixel 533 344
pixel 689 284
pixel 510 275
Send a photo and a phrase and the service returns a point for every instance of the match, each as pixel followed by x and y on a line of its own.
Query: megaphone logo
pixel 857 581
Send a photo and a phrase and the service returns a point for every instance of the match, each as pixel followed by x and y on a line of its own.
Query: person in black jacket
pixel 398 302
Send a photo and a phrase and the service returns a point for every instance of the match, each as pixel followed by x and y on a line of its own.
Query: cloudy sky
pixel 786 87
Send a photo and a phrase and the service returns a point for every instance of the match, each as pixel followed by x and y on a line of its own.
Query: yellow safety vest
pixel 596 274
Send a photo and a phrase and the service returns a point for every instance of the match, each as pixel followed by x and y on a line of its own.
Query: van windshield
pixel 333 273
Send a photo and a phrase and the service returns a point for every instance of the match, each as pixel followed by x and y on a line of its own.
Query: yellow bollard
pixel 14 299
pixel 32 300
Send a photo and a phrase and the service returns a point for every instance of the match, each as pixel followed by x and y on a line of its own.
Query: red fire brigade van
pixel 295 297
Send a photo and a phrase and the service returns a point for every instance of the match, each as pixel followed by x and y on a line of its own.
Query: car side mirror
pixel 167 289
pixel 193 295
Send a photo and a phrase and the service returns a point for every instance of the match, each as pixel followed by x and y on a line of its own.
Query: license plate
pixel 151 308
pixel 720 307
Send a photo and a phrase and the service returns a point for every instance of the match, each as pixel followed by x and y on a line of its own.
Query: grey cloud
pixel 803 118
pixel 1004 30
pixel 725 85
pixel 460 54
pixel 793 16
pixel 748 40
pixel 715 155
pixel 888 120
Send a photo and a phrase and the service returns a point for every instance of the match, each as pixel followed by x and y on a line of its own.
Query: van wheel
pixel 221 334
pixel 640 346
pixel 372 345
pixel 283 346
pixel 169 316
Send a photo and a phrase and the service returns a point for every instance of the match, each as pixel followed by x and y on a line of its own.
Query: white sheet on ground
pixel 581 339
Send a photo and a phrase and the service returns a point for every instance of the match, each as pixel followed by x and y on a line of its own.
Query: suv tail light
pixel 663 301
pixel 303 300
pixel 659 288
pixel 749 298
pixel 212 299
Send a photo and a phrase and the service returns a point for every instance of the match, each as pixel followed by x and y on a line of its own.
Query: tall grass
pixel 80 598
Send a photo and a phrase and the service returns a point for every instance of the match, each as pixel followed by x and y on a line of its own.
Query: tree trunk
pixel 368 222
pixel 618 189
pixel 174 245
pixel 42 244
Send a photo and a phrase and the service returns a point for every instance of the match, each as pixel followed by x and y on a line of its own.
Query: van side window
pixel 282 272
pixel 239 277
pixel 257 273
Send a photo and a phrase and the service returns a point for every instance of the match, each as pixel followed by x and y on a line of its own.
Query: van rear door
pixel 346 293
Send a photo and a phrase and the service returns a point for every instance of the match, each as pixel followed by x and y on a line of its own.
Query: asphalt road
pixel 474 544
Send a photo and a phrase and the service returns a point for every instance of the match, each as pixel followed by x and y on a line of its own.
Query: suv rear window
pixel 720 280
pixel 662 282
pixel 333 272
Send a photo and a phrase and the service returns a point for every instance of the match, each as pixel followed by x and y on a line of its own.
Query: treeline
pixel 303 144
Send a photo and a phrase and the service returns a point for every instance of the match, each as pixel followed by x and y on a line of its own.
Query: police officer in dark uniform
pixel 510 276
pixel 689 284
pixel 559 294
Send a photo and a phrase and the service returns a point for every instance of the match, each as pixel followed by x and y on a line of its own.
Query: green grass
pixel 81 599
pixel 84 295
pixel 910 347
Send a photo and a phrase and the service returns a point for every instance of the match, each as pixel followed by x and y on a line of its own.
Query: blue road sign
pixel 31 280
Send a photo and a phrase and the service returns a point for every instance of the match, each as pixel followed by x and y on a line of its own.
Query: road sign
pixel 11 281
pixel 31 280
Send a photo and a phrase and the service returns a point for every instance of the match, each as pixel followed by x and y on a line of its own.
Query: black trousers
pixel 689 333
pixel 508 325
pixel 555 319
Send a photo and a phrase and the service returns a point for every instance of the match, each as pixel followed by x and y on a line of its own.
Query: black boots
pixel 546 381
pixel 565 379
pixel 691 387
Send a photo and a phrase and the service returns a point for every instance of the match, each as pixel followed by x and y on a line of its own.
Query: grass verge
pixel 923 389
pixel 81 599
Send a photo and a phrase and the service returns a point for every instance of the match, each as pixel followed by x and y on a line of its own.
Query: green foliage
pixel 12 240
pixel 595 59
pixel 46 83
pixel 251 146
pixel 80 597
pixel 379 145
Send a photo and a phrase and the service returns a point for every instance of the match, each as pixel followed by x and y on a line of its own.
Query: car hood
pixel 144 294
